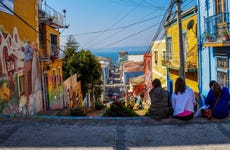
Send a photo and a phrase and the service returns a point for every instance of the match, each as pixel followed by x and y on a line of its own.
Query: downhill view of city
pixel 114 74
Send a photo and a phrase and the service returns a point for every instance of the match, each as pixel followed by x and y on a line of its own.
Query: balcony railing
pixel 53 53
pixel 173 61
pixel 51 16
pixel 217 30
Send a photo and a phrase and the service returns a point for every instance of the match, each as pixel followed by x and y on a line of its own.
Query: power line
pixel 113 29
pixel 131 35
pixel 111 36
pixel 123 17
pixel 25 22
pixel 145 4
pixel 164 19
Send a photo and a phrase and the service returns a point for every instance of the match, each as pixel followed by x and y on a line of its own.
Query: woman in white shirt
pixel 183 101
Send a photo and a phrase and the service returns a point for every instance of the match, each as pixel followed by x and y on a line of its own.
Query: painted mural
pixel 20 77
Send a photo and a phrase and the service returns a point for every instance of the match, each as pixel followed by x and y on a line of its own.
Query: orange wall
pixel 26 9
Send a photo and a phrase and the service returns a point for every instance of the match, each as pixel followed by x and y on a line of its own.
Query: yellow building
pixel 158 69
pixel 51 63
pixel 30 66
pixel 172 57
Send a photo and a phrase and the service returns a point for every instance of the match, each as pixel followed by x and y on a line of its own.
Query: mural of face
pixel 11 65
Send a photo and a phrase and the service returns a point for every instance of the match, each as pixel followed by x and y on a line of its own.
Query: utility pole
pixel 180 39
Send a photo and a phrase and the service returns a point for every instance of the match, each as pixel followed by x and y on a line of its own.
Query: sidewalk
pixel 113 133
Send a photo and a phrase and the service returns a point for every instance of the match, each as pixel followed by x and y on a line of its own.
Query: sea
pixel 113 52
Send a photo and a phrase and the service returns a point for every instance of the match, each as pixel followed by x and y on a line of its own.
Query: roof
pixel 137 80
pixel 100 58
pixel 133 67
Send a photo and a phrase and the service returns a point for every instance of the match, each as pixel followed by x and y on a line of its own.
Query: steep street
pixel 114 133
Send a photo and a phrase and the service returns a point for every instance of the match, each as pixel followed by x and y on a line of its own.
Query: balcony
pixel 172 61
pixel 48 15
pixel 52 54
pixel 217 30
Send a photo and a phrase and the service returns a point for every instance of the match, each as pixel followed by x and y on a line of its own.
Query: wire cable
pixel 131 35
pixel 25 22
pixel 114 24
pixel 113 29
pixel 116 33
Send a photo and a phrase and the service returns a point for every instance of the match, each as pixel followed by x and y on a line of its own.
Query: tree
pixel 72 43
pixel 70 50
pixel 88 69
pixel 85 64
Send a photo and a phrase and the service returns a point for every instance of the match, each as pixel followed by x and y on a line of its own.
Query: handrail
pixel 217 27
pixel 50 13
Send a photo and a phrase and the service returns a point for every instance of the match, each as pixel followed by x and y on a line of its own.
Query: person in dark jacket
pixel 160 103
pixel 220 109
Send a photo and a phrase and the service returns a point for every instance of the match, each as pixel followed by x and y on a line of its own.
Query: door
pixel 46 88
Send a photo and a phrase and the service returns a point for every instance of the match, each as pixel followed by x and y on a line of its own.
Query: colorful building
pixel 30 78
pixel 214 43
pixel 50 21
pixel 147 75
pixel 159 69
pixel 131 70
pixel 172 56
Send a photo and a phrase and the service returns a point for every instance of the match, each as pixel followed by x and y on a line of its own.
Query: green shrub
pixel 118 109
pixel 76 112
pixel 147 114
pixel 98 105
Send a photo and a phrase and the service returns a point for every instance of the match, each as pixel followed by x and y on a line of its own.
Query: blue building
pixel 213 43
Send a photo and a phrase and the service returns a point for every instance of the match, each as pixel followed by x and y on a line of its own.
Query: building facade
pixel 159 69
pixel 214 44
pixel 171 58
pixel 24 71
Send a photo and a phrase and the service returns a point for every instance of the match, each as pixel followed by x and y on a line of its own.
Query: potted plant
pixel 209 37
pixel 225 35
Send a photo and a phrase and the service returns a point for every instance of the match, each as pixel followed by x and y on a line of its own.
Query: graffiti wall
pixel 73 92
pixel 20 76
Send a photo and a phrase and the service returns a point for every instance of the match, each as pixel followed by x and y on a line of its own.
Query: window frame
pixel 222 70
pixel 20 78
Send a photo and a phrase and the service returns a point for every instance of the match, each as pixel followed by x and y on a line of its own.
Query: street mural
pixel 20 76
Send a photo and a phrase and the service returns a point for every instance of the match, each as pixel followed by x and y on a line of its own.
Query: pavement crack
pixel 120 138
pixel 8 133
pixel 224 130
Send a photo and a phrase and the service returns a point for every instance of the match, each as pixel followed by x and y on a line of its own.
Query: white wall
pixel 136 58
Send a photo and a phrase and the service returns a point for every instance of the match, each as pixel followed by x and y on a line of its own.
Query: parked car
pixel 110 93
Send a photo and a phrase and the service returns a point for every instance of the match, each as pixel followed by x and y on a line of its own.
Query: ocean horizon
pixel 113 52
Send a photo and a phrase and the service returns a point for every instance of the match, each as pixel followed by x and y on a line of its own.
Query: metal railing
pixel 47 12
pixel 52 52
pixel 173 60
pixel 217 28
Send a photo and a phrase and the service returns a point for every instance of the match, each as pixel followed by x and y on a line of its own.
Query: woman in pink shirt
pixel 183 101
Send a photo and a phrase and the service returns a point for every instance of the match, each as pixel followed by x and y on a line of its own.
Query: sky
pixel 120 23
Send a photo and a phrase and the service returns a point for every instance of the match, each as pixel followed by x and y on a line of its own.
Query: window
pixel 222 71
pixel 156 57
pixel 54 78
pixel 59 76
pixel 53 42
pixel 164 56
pixel 220 6
pixel 220 9
pixel 20 84
pixel 185 47
pixel 169 41
pixel 149 65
